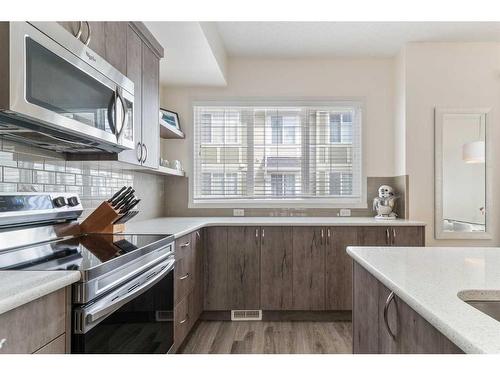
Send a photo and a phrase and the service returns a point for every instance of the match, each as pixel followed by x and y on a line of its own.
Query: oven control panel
pixel 17 208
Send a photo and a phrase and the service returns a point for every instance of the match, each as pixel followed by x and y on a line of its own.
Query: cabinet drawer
pixel 181 322
pixel 57 346
pixel 183 246
pixel 31 326
pixel 184 277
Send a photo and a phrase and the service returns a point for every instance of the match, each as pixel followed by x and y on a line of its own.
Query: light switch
pixel 345 212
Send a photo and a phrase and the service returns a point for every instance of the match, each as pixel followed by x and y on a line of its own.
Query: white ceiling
pixel 195 52
pixel 344 39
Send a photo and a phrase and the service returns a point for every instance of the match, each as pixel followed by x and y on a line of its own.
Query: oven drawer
pixel 33 325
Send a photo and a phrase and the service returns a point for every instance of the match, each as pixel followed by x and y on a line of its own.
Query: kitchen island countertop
pixel 430 280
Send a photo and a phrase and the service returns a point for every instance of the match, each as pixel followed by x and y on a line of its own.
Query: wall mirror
pixel 461 167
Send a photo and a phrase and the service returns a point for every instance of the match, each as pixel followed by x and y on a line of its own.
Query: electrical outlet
pixel 238 212
pixel 345 212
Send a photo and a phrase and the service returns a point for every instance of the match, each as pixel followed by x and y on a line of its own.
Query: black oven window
pixel 142 326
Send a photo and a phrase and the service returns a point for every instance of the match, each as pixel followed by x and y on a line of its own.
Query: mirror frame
pixel 439 114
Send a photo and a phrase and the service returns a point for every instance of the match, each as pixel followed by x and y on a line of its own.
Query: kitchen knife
pixel 124 197
pixel 131 205
pixel 125 202
pixel 126 217
pixel 116 194
pixel 120 197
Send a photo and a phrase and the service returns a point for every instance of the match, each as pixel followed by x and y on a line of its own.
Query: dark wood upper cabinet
pixel 339 266
pixel 97 38
pixel 150 108
pixel 216 279
pixel 308 268
pixel 134 73
pixel 276 268
pixel 243 286
pixel 115 37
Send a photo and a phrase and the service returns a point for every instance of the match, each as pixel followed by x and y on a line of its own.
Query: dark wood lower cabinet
pixel 296 271
pixel 276 268
pixel 338 267
pixel 216 277
pixel 406 332
pixel 243 267
pixel 308 268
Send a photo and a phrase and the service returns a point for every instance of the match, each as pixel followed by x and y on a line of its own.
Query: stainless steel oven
pixel 59 94
pixel 135 318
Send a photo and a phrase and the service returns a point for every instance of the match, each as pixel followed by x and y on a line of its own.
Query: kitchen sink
pixel 486 301
pixel 491 308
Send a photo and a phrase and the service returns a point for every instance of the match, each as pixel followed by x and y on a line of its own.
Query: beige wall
pixel 447 75
pixel 400 113
pixel 368 79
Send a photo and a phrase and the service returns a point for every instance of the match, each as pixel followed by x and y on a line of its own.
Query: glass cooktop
pixel 81 252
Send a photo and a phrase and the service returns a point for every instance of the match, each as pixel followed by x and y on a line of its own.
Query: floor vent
pixel 246 314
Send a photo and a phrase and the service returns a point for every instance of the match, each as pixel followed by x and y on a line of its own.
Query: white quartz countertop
pixel 20 287
pixel 429 280
pixel 180 226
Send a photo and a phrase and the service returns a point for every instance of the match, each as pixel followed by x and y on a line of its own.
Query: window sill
pixel 292 203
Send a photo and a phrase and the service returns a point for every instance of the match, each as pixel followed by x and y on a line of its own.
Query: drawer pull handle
pixel 185 244
pixel 390 298
pixel 184 277
pixel 3 342
pixel 184 320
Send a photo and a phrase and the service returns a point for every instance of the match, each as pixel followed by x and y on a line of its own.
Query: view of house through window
pixel 277 153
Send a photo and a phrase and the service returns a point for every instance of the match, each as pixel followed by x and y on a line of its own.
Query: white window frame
pixel 319 103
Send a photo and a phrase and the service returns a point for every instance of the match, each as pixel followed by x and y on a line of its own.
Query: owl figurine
pixel 384 203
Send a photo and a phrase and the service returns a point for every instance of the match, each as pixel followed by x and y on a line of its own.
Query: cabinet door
pixel 365 312
pixel 243 267
pixel 408 236
pixel 417 336
pixel 116 44
pixel 150 108
pixel 97 36
pixel 276 268
pixel 308 268
pixel 134 72
pixel 376 236
pixel 197 249
pixel 339 266
pixel 216 269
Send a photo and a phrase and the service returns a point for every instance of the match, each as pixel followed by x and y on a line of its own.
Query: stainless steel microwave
pixel 58 94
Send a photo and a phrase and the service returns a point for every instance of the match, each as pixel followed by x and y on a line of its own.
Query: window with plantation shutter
pixel 264 155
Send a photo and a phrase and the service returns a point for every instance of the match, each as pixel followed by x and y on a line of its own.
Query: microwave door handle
pixel 124 118
pixel 112 113
pixel 92 316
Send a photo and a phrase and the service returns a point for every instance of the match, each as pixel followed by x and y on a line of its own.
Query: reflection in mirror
pixel 461 173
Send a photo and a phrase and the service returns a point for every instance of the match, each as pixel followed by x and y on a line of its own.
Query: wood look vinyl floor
pixel 226 337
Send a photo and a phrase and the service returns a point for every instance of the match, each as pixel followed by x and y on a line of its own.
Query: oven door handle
pixel 134 290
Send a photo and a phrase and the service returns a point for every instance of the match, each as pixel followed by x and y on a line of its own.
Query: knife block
pixel 101 220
